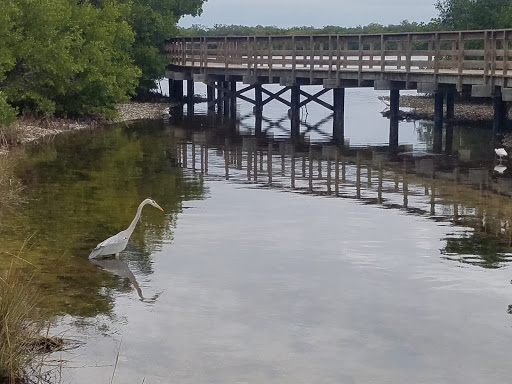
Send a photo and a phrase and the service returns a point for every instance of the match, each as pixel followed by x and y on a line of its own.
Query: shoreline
pixel 420 107
pixel 26 130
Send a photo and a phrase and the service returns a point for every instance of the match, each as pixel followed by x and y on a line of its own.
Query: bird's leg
pixel 116 256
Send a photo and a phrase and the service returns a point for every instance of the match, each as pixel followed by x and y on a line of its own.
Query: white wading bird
pixel 501 153
pixel 117 243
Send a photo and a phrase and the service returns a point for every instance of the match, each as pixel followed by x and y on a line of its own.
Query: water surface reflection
pixel 444 188
pixel 276 261
pixel 81 189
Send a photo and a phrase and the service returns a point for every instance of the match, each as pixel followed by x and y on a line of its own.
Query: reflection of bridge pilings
pixel 414 185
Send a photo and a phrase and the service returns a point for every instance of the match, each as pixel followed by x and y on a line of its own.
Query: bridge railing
pixel 486 53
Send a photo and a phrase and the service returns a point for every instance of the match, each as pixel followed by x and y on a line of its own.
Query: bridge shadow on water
pixel 471 193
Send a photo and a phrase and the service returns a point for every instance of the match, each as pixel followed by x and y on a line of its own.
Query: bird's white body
pixel 117 243
pixel 501 152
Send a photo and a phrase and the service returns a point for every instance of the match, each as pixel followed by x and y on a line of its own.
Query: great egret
pixel 501 153
pixel 117 243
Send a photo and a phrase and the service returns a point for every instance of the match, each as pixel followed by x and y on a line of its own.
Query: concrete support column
pixel 190 90
pixel 225 102
pixel 295 111
pixel 338 131
pixel 500 113
pixel 438 122
pixel 438 110
pixel 450 105
pixel 393 135
pixel 448 145
pixel 258 124
pixel 220 97
pixel 394 103
pixel 176 90
pixel 210 96
pixel 171 89
pixel 438 140
pixel 190 98
pixel 258 98
pixel 190 109
pixel 232 87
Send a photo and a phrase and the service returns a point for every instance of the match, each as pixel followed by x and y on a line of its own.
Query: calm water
pixel 272 262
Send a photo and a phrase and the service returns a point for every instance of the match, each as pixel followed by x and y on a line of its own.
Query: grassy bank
pixel 20 326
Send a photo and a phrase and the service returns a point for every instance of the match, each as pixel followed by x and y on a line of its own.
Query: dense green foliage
pixel 475 14
pixel 154 21
pixel 62 58
pixel 68 57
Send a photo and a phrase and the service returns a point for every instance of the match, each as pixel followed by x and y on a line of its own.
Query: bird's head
pixel 154 203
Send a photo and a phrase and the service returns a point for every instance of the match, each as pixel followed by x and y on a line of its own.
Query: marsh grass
pixel 10 187
pixel 10 135
pixel 19 325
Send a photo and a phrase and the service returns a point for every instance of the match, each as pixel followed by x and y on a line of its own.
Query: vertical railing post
pixel 192 51
pixel 460 62
pixel 505 58
pixel 345 53
pixel 226 61
pixel 399 48
pixel 249 58
pixel 205 52
pixel 454 54
pixel 494 47
pixel 486 56
pixel 330 56
pixel 408 59
pixel 255 55
pixel 270 54
pixel 437 56
pixel 360 67
pixel 201 62
pixel 338 58
pixel 184 51
pixel 430 47
pixel 294 58
pixel 382 55
pixel 311 59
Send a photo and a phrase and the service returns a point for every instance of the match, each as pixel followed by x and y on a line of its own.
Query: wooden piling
pixel 338 132
pixel 295 111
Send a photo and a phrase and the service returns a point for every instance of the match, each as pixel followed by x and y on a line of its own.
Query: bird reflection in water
pixel 121 269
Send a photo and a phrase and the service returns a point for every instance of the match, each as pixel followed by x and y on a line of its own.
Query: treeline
pixel 453 15
pixel 82 57
pixel 260 30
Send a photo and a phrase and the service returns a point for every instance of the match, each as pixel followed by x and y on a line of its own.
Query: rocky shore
pixel 422 108
pixel 26 129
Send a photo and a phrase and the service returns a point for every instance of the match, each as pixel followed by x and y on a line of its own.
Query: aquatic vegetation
pixel 19 325
pixel 9 186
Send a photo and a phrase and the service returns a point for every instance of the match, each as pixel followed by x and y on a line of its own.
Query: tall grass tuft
pixel 19 326
pixel 10 187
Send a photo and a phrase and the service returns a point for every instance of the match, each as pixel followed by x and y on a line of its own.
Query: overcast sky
pixel 289 13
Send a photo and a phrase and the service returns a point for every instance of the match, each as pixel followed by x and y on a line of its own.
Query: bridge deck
pixel 404 61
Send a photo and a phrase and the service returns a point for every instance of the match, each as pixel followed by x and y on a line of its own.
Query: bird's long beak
pixel 159 207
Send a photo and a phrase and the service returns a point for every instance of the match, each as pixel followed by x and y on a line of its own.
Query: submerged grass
pixel 20 325
pixel 10 187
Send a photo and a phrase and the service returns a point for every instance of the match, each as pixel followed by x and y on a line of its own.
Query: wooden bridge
pixel 441 63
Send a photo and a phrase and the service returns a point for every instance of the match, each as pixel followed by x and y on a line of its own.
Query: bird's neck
pixel 131 228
